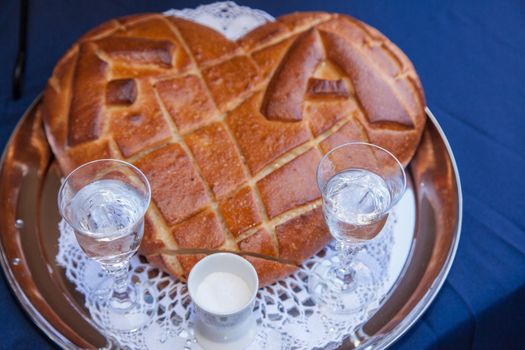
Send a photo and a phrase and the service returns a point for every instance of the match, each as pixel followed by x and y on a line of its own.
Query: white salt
pixel 223 292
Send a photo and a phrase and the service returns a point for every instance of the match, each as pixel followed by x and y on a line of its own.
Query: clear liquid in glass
pixel 109 213
pixel 355 204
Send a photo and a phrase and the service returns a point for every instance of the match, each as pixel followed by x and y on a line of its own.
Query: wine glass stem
pixel 119 274
pixel 346 252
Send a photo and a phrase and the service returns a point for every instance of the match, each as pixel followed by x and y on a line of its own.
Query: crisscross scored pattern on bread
pixel 230 133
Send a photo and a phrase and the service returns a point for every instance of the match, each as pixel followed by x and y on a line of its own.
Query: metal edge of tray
pixel 34 314
pixel 382 341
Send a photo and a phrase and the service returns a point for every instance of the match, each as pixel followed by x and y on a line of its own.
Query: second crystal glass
pixel 359 183
pixel 105 201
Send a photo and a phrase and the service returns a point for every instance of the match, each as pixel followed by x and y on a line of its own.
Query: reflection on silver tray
pixel 29 181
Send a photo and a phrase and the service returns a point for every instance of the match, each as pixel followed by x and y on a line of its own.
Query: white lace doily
pixel 226 17
pixel 287 317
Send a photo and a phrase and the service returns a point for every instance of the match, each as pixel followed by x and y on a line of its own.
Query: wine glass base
pixel 127 315
pixel 339 296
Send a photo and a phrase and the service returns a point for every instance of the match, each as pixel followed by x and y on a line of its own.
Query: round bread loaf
pixel 229 133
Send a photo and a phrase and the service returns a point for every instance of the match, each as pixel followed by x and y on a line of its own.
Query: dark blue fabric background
pixel 470 56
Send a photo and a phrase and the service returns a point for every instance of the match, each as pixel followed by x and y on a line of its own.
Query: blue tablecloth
pixel 470 56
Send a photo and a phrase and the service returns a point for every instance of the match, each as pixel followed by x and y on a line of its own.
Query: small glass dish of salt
pixel 223 287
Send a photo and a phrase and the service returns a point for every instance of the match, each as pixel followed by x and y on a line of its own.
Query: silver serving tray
pixel 29 181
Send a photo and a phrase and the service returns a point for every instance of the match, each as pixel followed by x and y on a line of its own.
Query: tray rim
pixel 34 314
pixel 421 307
pixel 379 341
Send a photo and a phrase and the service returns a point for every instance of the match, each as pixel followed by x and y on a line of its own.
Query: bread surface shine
pixel 229 133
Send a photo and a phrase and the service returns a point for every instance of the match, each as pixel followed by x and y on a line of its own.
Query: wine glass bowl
pixel 105 201
pixel 360 183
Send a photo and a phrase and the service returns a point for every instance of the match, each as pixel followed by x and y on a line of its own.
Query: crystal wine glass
pixel 104 201
pixel 359 183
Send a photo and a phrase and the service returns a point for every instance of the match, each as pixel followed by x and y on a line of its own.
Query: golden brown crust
pixel 230 133
pixel 379 101
pixel 137 50
pixel 177 190
pixel 230 81
pixel 322 115
pixel 140 126
pixel 240 211
pixel 260 243
pixel 263 36
pixel 86 152
pixel 285 93
pixel 218 158
pixel 270 271
pixel 261 141
pixel 153 242
pixel 350 132
pixel 303 236
pixel 292 185
pixel 200 231
pixel 121 92
pixel 205 44
pixel 186 101
pixel 303 20
pixel 55 110
pixel 86 115
pixel 268 58
pixel 151 26
pixel 327 88
pixel 161 45
pixel 187 261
